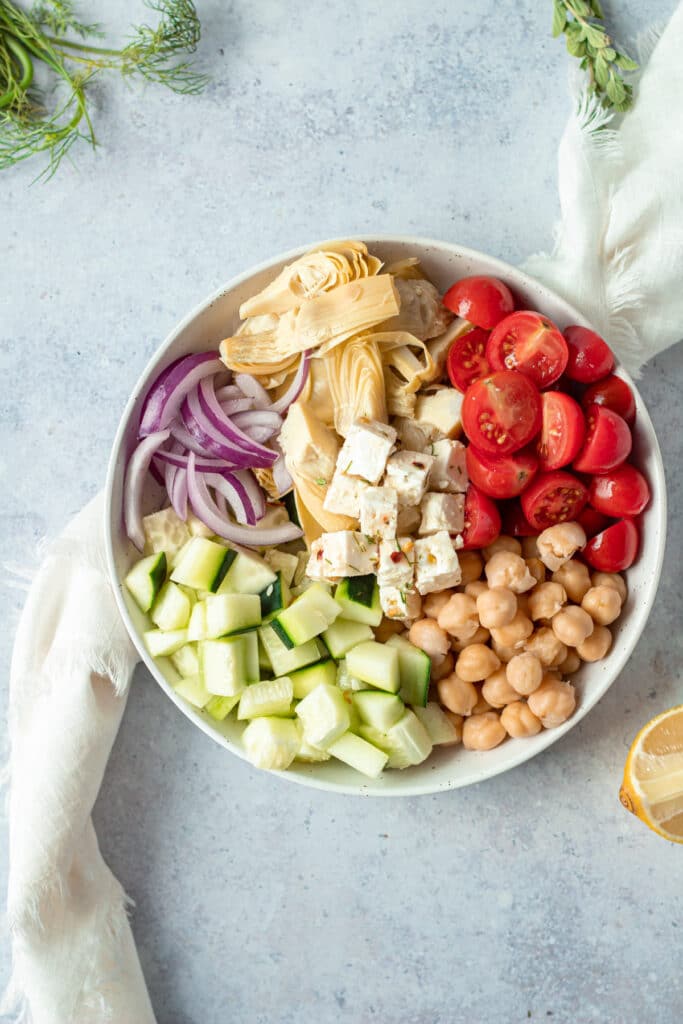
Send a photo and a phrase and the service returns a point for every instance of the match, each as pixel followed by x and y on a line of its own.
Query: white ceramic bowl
pixel 447 768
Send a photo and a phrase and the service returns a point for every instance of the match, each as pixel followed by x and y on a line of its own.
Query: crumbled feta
pixel 449 470
pixel 342 553
pixel 343 494
pixel 442 512
pixel 378 511
pixel 408 519
pixel 366 450
pixel 407 473
pixel 400 604
pixel 436 563
pixel 396 556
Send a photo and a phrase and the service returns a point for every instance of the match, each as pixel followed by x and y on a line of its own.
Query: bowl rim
pixel 408 788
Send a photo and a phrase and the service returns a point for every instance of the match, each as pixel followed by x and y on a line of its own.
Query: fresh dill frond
pixel 60 17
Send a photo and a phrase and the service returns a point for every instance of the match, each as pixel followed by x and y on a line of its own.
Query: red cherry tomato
pixel 482 520
pixel 481 300
pixel 615 394
pixel 553 498
pixel 502 412
pixel 515 522
pixel 502 476
pixel 608 441
pixel 614 549
pixel 622 492
pixel 562 431
pixel 590 358
pixel 592 521
pixel 530 343
pixel 467 360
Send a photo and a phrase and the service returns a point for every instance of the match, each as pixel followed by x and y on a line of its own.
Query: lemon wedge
pixel 653 775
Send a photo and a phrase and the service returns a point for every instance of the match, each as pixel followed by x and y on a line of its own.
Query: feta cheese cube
pixel 342 553
pixel 436 563
pixel 408 519
pixel 366 450
pixel 414 437
pixel 315 567
pixel 407 473
pixel 442 512
pixel 400 604
pixel 343 494
pixel 378 511
pixel 395 567
pixel 449 470
pixel 440 411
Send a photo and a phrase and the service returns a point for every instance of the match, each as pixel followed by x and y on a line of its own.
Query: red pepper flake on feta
pixel 396 557
pixel 407 472
pixel 436 563
pixel 378 511
pixel 400 604
pixel 342 553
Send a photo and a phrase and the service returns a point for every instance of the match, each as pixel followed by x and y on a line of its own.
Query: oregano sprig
pixel 582 23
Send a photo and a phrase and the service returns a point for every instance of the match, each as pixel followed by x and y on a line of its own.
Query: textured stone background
pixel 532 896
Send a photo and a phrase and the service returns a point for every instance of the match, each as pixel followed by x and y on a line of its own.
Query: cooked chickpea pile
pixel 525 616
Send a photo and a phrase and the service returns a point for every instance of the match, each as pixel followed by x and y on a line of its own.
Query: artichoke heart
pixel 355 378
pixel 409 269
pixel 422 312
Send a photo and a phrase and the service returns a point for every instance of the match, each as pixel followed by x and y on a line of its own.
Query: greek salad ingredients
pixel 482 301
pixel 501 412
pixel 530 343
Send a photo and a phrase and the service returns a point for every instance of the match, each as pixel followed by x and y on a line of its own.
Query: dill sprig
pixel 582 23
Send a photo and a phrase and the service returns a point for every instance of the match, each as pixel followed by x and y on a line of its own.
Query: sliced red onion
pixel 229 391
pixel 136 471
pixel 253 490
pixel 281 477
pixel 221 504
pixel 205 509
pixel 178 493
pixel 233 405
pixel 296 387
pixel 212 443
pixel 179 459
pixel 205 411
pixel 258 417
pixel 234 493
pixel 248 385
pixel 166 395
pixel 156 472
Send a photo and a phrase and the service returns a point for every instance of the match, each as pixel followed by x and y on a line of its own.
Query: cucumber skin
pixel 282 634
pixel 156 577
pixel 361 589
pixel 224 569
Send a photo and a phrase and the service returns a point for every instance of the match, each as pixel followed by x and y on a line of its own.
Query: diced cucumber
pixel 196 527
pixel 375 663
pixel 272 743
pixel 229 664
pixel 345 681
pixel 165 531
pixel 324 715
pixel 192 689
pixel 160 644
pixel 196 629
pixel 414 668
pixel 309 753
pixel 264 662
pixel 186 660
pixel 220 707
pixel 306 679
pixel 274 597
pixel 172 608
pixel 306 617
pixel 409 741
pixel 231 613
pixel 359 754
pixel 203 564
pixel 145 580
pixel 440 729
pixel 282 562
pixel 283 659
pixel 248 574
pixel 269 698
pixel 381 710
pixel 358 597
pixel 342 635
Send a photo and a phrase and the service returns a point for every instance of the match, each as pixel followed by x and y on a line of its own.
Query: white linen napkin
pixel 618 257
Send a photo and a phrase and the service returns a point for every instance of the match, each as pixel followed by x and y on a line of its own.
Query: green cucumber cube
pixel 324 715
pixel 381 710
pixel 203 564
pixel 172 608
pixel 231 613
pixel 161 644
pixel 220 707
pixel 286 660
pixel 186 661
pixel 145 580
pixel 359 754
pixel 440 729
pixel 197 627
pixel 304 680
pixel 272 743
pixel 414 669
pixel 192 689
pixel 268 698
pixel 342 635
pixel 282 562
pixel 358 597
pixel 375 663
pixel 229 664
pixel 307 616
pixel 247 574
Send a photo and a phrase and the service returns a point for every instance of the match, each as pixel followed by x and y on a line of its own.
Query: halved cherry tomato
pixel 562 431
pixel 482 520
pixel 515 522
pixel 614 549
pixel 481 300
pixel 615 394
pixel 622 492
pixel 466 360
pixel 592 521
pixel 608 441
pixel 530 343
pixel 553 498
pixel 501 476
pixel 502 412
pixel 590 358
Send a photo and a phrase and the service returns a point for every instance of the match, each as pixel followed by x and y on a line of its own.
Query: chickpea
pixel 595 646
pixel 524 673
pixel 483 732
pixel 572 625
pixel 497 690
pixel 502 543
pixel 456 721
pixel 476 662
pixel 496 607
pixel 506 654
pixel 553 702
pixel 433 603
pixel 557 544
pixel 429 637
pixel 505 569
pixel 536 568
pixel 562 651
pixel 471 566
pixel 442 667
pixel 523 604
pixel 546 600
pixel 475 588
pixel 603 604
pixel 459 617
pixel 570 664
pixel 482 636
pixel 515 633
pixel 575 579
pixel 545 646
pixel 519 721
pixel 458 695
pixel 610 579
pixel 482 704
